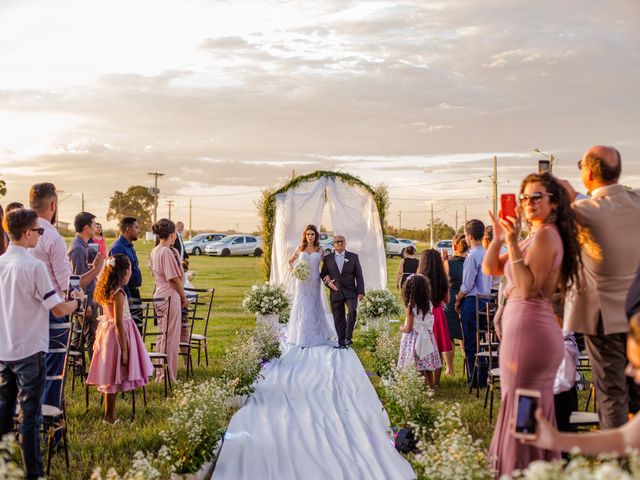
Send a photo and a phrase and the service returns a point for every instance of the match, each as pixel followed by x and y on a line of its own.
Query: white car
pixel 235 245
pixel 445 245
pixel 408 242
pixel 196 245
pixel 394 247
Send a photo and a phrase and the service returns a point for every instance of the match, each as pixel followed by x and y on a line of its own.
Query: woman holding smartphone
pixel 535 268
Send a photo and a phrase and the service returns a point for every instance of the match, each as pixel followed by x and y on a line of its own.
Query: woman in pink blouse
pixel 167 274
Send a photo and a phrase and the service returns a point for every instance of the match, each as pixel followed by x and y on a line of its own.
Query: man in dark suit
pixel 341 272
pixel 179 245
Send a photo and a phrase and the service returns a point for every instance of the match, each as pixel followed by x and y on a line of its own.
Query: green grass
pixel 93 444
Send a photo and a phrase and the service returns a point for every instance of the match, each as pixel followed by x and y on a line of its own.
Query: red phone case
pixel 507 205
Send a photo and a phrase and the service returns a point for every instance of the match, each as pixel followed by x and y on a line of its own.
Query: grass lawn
pixel 94 444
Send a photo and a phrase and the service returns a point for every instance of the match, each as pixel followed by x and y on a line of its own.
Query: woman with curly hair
pixel 418 345
pixel 431 267
pixel 536 267
pixel 120 360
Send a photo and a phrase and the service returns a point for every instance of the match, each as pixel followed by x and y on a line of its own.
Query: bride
pixel 308 324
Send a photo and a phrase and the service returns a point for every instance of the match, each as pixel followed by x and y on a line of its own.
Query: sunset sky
pixel 228 97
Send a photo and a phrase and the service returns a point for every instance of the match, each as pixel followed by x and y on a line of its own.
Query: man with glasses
pixel 26 298
pixel 610 222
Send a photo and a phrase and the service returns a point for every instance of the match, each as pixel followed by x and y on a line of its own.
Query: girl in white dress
pixel 308 326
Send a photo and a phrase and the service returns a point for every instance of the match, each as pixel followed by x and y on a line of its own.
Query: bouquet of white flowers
pixel 302 271
pixel 378 303
pixel 266 299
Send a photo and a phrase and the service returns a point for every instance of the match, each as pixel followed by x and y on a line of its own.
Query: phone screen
pixel 525 417
pixel 94 247
pixel 74 285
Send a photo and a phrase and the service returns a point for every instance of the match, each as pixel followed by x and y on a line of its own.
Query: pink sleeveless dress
pixel 531 350
pixel 107 371
pixel 441 329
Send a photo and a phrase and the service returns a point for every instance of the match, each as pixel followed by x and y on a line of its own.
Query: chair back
pixel 60 342
pixel 203 303
pixel 482 317
pixel 153 310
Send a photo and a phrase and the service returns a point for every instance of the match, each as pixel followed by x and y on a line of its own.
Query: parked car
pixel 196 245
pixel 326 244
pixel 445 245
pixel 393 247
pixel 235 245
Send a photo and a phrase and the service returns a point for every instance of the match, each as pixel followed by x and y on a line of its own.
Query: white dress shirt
pixel 52 251
pixel 26 296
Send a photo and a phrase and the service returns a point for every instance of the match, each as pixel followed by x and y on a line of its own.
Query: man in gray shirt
pixel 79 255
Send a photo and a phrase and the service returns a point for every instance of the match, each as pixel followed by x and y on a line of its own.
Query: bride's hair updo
pixel 316 241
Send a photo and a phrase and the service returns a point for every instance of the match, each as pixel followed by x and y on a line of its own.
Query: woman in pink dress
pixel 432 268
pixel 120 360
pixel 532 345
pixel 167 273
pixel 418 345
pixel 99 240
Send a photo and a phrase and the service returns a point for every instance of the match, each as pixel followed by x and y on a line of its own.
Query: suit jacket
pixel 350 282
pixel 609 229
pixel 179 246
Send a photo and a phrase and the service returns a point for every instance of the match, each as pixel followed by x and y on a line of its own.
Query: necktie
pixel 340 258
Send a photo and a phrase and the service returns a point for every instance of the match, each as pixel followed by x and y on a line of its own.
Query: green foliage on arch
pixel 267 206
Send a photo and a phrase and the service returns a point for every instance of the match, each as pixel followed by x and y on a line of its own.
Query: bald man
pixel 610 229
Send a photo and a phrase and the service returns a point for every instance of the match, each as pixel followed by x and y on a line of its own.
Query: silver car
pixel 197 244
pixel 235 245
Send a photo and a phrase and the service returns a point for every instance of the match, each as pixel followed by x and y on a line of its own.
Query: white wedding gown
pixel 308 325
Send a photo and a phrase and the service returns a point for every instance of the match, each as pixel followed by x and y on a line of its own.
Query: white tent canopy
pixel 353 213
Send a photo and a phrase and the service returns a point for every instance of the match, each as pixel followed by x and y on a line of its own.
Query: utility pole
pixel 399 221
pixel 465 215
pixel 494 177
pixel 155 192
pixel 190 231
pixel 170 204
pixel 432 225
pixel 82 209
pixel 456 221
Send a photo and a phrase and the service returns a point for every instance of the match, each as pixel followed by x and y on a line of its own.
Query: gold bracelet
pixel 519 260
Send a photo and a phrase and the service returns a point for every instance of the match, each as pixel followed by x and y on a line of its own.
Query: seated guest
pixel 612 441
pixel 26 297
pixel 408 265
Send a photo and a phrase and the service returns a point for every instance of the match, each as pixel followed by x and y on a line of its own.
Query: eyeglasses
pixel 39 230
pixel 535 197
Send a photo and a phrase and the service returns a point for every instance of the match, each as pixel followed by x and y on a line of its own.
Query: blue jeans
pixel 55 361
pixel 469 331
pixel 23 381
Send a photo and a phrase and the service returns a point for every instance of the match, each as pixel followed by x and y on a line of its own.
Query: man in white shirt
pixel 26 297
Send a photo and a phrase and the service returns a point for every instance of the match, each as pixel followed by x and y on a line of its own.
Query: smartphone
pixel 544 166
pixel 507 205
pixel 94 247
pixel 74 286
pixel 527 402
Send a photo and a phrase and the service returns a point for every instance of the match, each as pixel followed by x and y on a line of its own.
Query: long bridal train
pixel 316 415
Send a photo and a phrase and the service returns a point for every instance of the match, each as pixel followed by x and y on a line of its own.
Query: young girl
pixel 418 343
pixel 431 267
pixel 120 360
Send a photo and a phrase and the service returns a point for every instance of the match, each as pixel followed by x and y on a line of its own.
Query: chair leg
pixel 198 347
pixel 166 375
pixel 64 439
pixel 206 352
pixel 486 394
pixel 144 395
pixel 491 405
pixel 166 393
pixel 49 450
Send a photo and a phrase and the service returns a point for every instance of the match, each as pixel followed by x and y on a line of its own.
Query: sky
pixel 227 98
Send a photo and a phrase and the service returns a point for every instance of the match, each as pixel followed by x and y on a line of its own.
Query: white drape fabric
pixel 354 214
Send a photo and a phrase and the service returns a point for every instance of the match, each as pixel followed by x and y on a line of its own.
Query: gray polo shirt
pixel 79 257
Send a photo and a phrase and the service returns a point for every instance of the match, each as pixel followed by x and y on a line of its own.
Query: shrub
pixel 385 353
pixel 406 398
pixel 242 363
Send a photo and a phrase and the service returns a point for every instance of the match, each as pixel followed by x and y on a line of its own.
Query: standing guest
pixel 52 250
pixel 168 277
pixel 609 226
pixel 26 298
pixel 13 206
pixel 79 253
pixel 453 267
pixel 535 268
pixel 474 282
pixel 99 240
pixel 120 362
pixel 4 237
pixel 179 244
pixel 408 265
pixel 129 233
pixel 431 267
pixel 418 345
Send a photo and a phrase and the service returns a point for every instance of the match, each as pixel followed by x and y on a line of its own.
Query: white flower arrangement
pixel 266 338
pixel 406 398
pixel 242 363
pixel 385 352
pixel 378 303
pixel 143 467
pixel 449 450
pixel 266 299
pixel 302 271
pixel 9 470
pixel 201 413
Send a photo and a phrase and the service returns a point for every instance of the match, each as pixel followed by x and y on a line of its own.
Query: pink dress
pixel 441 329
pixel 107 371
pixel 164 266
pixel 102 245
pixel 531 350
pixel 422 325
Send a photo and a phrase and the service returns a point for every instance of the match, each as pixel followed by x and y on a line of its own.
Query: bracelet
pixel 519 260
